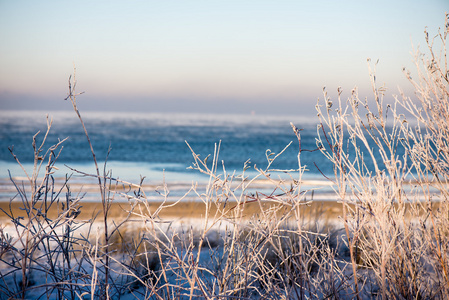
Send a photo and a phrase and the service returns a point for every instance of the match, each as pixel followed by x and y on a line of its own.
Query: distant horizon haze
pixel 259 57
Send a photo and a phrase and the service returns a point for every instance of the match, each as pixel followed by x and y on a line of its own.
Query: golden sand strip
pixel 313 210
pixel 182 209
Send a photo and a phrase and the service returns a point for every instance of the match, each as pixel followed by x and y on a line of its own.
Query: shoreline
pixel 88 187
pixel 312 211
pixel 324 210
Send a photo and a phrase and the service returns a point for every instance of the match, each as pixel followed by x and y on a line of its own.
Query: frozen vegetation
pixel 390 240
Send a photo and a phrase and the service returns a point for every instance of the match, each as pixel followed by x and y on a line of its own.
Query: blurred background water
pixel 147 144
pixel 153 146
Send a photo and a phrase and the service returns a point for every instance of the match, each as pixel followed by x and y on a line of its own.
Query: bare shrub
pixel 42 246
pixel 392 224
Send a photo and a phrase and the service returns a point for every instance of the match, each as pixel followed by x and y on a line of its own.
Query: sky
pixel 265 57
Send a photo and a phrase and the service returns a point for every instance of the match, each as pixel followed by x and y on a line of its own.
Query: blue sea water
pixel 154 146
pixel 147 144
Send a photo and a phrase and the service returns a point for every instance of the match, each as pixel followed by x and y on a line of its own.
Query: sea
pixel 157 147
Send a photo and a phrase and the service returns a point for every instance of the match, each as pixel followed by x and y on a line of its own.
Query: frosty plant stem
pixel 102 184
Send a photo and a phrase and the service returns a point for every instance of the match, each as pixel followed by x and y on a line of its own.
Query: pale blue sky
pixel 207 56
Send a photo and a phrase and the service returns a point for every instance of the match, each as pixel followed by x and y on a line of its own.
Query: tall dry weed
pixel 393 229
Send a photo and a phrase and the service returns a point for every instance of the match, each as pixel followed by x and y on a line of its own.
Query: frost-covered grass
pixel 390 239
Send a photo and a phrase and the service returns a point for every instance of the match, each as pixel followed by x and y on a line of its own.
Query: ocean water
pixel 154 145
pixel 145 144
